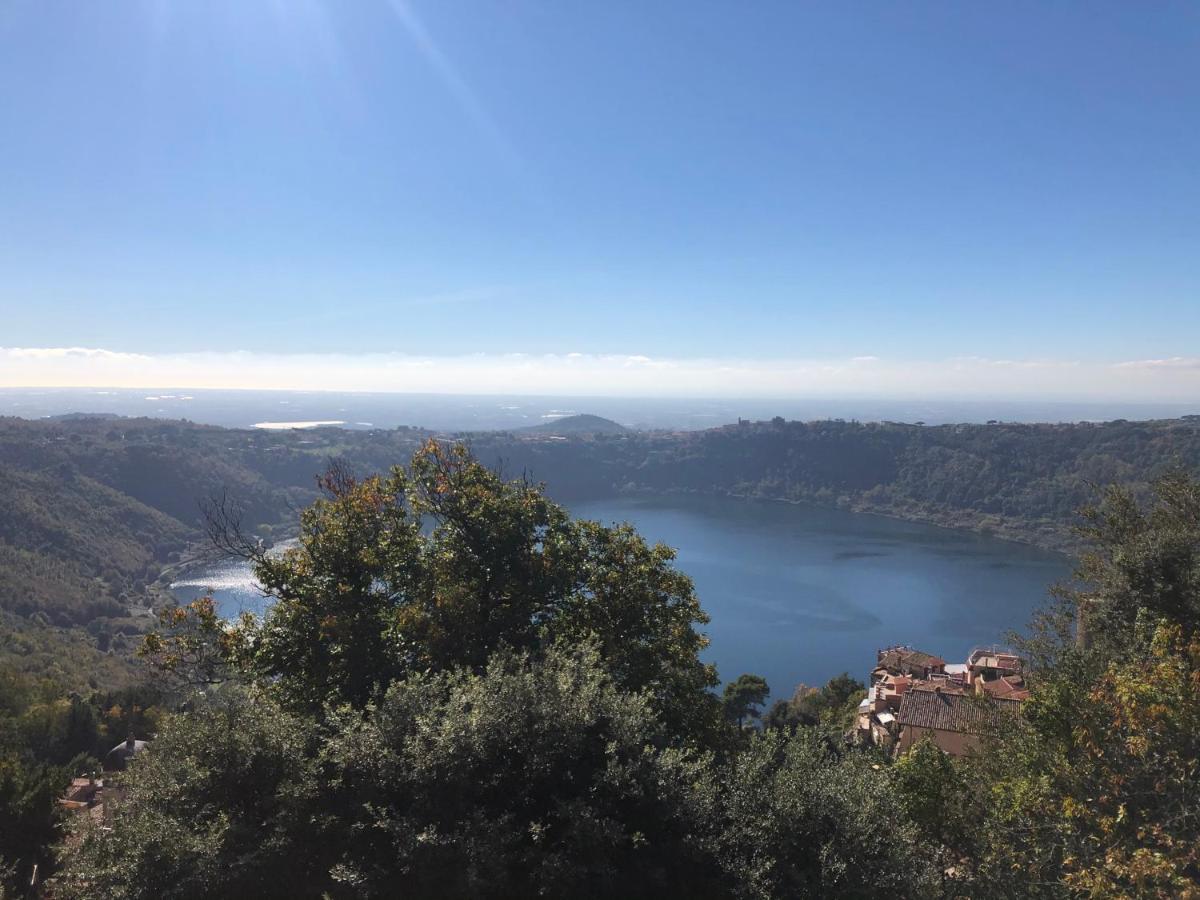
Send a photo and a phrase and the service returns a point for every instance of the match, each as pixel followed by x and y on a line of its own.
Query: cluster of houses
pixel 914 695
pixel 95 795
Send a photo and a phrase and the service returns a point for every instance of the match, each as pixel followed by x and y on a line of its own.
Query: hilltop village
pixel 914 695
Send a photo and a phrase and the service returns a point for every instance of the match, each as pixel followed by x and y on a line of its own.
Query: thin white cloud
pixel 1171 362
pixel 66 352
pixel 602 374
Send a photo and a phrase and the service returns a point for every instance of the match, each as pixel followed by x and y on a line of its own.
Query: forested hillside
pixel 95 509
pixel 1024 482
pixel 92 510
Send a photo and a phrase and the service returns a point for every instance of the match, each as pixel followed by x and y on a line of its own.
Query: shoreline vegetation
pixel 100 508
pixel 1018 482
pixel 103 512
pixel 1044 537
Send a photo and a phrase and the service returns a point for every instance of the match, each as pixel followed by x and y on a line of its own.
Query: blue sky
pixel 329 186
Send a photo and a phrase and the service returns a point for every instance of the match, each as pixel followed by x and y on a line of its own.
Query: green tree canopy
pixel 438 565
pixel 744 698
pixel 227 803
pixel 533 778
pixel 793 819
pixel 834 704
pixel 1143 561
pixel 1095 795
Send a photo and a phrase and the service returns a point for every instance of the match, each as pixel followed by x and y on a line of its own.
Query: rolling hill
pixel 581 424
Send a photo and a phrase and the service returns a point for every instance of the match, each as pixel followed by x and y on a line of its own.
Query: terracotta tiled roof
pixel 1010 686
pixel 945 685
pixel 948 711
pixel 902 657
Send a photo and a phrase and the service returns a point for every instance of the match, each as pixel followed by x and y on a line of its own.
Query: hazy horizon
pixel 965 378
pixel 482 412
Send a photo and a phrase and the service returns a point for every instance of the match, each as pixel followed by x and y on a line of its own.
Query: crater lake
pixel 797 593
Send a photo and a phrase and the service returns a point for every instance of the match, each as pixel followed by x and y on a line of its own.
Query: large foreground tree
pixel 529 778
pixel 461 691
pixel 438 565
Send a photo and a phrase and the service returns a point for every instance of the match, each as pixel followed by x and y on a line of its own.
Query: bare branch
pixel 337 480
pixel 223 525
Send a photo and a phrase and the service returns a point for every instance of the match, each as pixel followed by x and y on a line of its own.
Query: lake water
pixel 798 594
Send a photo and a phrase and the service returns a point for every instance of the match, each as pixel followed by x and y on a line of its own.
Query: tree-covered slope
pixel 92 509
pixel 1021 481
pixel 74 548
pixel 581 424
